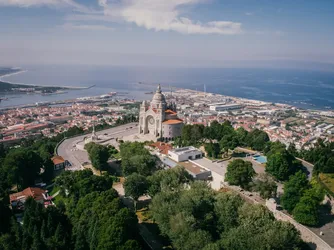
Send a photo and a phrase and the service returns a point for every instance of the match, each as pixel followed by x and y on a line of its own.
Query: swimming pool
pixel 260 159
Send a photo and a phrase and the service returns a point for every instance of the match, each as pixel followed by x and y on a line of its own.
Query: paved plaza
pixel 68 150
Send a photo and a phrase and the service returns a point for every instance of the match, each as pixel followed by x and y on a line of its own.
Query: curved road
pixel 76 157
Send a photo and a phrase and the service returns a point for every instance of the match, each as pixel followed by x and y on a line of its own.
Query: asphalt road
pixel 76 157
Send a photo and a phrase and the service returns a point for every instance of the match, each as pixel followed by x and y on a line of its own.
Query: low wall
pixel 313 240
pixel 57 146
pixel 306 234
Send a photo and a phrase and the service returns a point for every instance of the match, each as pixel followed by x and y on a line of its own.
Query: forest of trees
pixel 219 138
pixel 281 164
pixel 322 156
pixel 137 159
pixel 303 199
pixel 199 218
pixel 88 215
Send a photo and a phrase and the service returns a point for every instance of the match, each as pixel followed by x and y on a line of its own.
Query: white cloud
pixel 158 15
pixel 52 3
pixel 28 3
pixel 165 15
pixel 71 26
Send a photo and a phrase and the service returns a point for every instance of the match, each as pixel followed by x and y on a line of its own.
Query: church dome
pixel 158 98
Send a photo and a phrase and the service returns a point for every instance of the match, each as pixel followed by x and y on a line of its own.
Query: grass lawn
pixel 328 180
pixel 53 190
pixel 143 215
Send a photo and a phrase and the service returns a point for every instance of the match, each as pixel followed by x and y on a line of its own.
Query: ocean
pixel 301 88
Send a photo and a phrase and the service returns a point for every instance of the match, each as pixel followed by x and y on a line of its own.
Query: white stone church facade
pixel 158 122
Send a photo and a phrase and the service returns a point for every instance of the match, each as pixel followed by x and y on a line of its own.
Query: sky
pixel 181 33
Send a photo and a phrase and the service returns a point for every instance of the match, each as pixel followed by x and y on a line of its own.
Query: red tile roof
pixel 36 193
pixel 173 121
pixel 168 111
pixel 57 160
pixel 163 147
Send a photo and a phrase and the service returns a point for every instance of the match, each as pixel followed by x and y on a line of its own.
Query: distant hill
pixel 5 86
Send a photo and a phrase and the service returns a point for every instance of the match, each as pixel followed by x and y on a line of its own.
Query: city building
pixel 156 121
pixel 224 107
pixel 197 172
pixel 59 162
pixel 185 154
pixel 41 196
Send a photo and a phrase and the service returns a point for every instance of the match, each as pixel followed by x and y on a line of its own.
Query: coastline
pixel 11 74
pixel 242 98
pixel 42 86
pixel 291 102
pixel 238 99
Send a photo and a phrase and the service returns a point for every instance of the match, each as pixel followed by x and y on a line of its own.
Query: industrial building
pixel 223 107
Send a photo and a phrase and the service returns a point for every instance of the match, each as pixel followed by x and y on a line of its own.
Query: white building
pixel 224 107
pixel 156 121
pixel 185 154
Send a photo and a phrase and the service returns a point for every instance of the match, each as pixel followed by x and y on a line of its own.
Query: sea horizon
pixel 307 89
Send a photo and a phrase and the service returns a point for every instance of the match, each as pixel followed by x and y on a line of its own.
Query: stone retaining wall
pixel 306 234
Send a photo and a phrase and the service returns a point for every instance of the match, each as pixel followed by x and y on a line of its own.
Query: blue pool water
pixel 261 159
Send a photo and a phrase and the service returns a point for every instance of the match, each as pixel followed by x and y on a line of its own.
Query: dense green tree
pixel 274 147
pixel 307 209
pixel 195 217
pixel 136 159
pixel 101 222
pixel 80 183
pixel 135 185
pixel 294 189
pixel 265 185
pixel 321 155
pixel 257 139
pixel 112 150
pixel 281 164
pixel 171 179
pixel 226 209
pixel 192 134
pixel 225 134
pixel 239 172
pixel 241 135
pixel 7 243
pixel 5 216
pixel 212 149
pixel 98 155
pixel 229 141
pixel 258 230
pixel 3 151
pixel 292 150
pixel 214 131
pixel 22 167
pixel 141 164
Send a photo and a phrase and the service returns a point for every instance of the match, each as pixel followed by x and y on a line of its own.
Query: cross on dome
pixel 159 88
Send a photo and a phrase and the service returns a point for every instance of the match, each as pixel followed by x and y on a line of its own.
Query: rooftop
pixel 184 150
pixel 168 111
pixel 173 121
pixel 163 147
pixel 36 193
pixel 207 164
pixel 192 168
pixel 57 160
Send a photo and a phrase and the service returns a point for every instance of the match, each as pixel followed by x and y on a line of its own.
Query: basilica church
pixel 157 121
